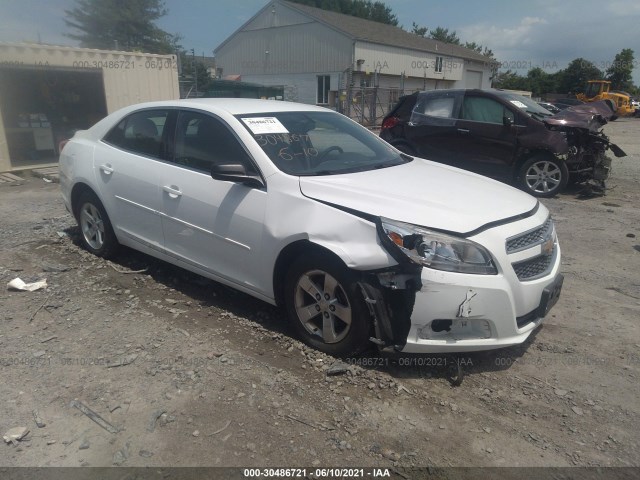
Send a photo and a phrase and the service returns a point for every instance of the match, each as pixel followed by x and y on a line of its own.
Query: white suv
pixel 301 207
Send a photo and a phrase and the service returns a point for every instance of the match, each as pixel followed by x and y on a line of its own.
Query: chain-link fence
pixel 367 105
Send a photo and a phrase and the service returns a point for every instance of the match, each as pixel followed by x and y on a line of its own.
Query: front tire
pixel 543 176
pixel 325 305
pixel 95 227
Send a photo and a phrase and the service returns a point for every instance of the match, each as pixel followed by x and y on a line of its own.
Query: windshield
pixel 525 104
pixel 319 143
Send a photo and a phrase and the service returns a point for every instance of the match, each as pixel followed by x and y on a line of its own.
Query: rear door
pixel 211 224
pixel 432 128
pixel 485 142
pixel 126 163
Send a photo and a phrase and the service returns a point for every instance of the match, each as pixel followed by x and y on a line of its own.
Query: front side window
pixel 141 132
pixel 318 143
pixel 324 85
pixel 486 110
pixel 202 141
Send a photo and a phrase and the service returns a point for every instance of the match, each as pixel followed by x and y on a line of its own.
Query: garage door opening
pixel 43 106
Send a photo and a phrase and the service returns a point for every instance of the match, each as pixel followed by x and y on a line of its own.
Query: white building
pixel 317 54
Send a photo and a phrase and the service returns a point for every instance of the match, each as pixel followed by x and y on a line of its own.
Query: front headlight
pixel 437 250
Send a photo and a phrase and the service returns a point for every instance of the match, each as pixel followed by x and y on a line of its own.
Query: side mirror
pixel 507 121
pixel 235 172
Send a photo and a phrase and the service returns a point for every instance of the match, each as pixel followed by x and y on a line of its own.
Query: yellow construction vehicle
pixel 599 90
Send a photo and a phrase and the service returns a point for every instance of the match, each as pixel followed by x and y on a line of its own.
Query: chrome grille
pixel 534 267
pixel 531 238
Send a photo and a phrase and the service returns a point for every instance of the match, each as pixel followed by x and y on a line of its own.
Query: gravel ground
pixel 182 371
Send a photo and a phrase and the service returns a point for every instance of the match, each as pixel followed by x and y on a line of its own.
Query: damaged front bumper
pixel 447 312
pixel 481 315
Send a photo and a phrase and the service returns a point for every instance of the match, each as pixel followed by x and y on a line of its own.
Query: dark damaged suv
pixel 505 136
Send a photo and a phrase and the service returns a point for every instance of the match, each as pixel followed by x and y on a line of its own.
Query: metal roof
pixel 375 32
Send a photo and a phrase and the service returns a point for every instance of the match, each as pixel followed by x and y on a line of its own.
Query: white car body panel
pixel 129 187
pixel 423 193
pixel 234 233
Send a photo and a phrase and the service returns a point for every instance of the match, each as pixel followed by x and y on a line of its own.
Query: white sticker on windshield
pixel 263 125
pixel 518 103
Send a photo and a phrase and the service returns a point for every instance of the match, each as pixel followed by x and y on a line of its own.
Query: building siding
pixel 299 87
pixel 284 48
pixel 281 46
pixel 413 63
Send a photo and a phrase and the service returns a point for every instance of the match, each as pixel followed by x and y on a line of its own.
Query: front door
pixel 213 225
pixel 486 143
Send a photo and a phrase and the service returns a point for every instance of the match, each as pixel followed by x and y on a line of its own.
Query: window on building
pixel 324 85
pixel 439 64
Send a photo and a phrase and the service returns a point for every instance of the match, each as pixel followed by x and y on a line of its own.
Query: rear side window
pixel 438 107
pixel 486 110
pixel 435 109
pixel 140 132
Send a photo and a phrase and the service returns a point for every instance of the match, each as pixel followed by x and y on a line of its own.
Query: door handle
pixel 106 168
pixel 463 131
pixel 173 191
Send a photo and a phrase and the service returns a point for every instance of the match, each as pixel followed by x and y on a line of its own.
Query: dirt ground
pixel 190 373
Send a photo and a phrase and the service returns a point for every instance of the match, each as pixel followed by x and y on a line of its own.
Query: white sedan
pixel 301 207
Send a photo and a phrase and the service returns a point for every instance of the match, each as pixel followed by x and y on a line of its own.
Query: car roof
pixel 490 91
pixel 233 106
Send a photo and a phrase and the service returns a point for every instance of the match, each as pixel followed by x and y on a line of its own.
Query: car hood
pixel 591 116
pixel 422 193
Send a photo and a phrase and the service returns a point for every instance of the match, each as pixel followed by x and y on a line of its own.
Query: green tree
pixel 619 73
pixel 573 79
pixel 120 24
pixel 473 46
pixel 511 81
pixel 443 35
pixel 541 82
pixel 418 30
pixel 374 11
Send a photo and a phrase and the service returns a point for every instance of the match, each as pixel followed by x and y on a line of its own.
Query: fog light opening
pixel 441 325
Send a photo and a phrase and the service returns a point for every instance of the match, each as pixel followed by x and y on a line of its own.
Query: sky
pixel 523 34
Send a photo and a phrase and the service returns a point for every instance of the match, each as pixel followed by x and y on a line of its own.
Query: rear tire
pixel 325 305
pixel 96 231
pixel 543 176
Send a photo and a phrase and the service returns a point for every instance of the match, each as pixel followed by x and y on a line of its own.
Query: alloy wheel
pixel 543 177
pixel 92 226
pixel 322 306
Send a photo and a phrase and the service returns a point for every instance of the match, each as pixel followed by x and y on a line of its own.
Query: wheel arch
pixel 76 192
pixel 528 155
pixel 289 254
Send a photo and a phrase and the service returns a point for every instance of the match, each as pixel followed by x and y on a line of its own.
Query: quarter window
pixel 203 141
pixel 140 132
